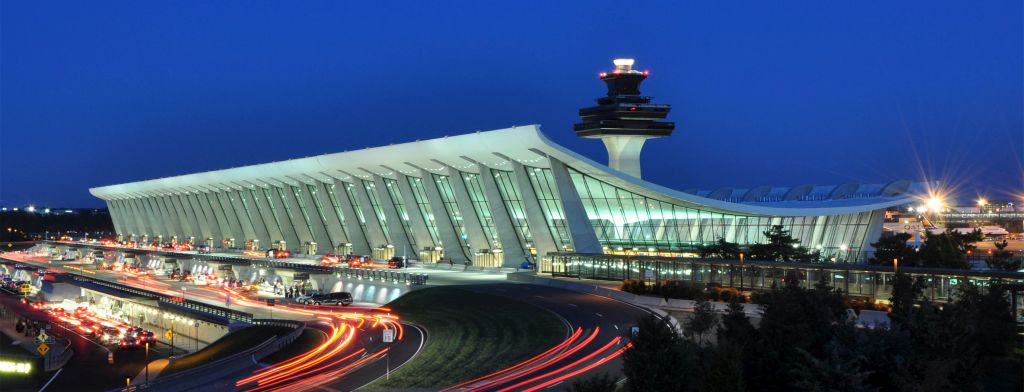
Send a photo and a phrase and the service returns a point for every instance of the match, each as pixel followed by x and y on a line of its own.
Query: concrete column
pixel 209 200
pixel 295 214
pixel 158 226
pixel 477 239
pixel 248 232
pixel 186 228
pixel 398 237
pixel 230 217
pixel 123 223
pixel 335 228
pixel 262 206
pixel 167 217
pixel 140 218
pixel 207 225
pixel 624 153
pixel 511 245
pixel 259 226
pixel 287 226
pixel 360 242
pixel 445 227
pixel 375 232
pixel 115 216
pixel 543 239
pixel 325 242
pixel 417 224
pixel 189 214
pixel 584 239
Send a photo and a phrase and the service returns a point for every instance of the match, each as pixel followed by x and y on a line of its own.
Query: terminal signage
pixel 389 335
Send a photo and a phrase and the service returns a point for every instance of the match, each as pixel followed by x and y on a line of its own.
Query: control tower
pixel 624 119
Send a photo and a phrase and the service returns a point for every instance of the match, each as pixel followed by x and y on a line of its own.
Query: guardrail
pixel 174 302
pixel 208 372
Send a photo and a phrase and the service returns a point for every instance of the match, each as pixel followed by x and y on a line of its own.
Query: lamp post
pixel 741 272
pixel 895 265
pixel 147 362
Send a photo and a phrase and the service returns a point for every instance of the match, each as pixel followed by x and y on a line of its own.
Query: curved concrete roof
pixel 495 149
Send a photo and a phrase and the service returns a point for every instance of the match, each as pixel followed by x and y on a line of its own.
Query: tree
pixel 659 359
pixel 781 246
pixel 837 371
pixel 600 383
pixel 1002 259
pixel 735 327
pixel 895 247
pixel 724 371
pixel 948 249
pixel 704 320
pixel 721 249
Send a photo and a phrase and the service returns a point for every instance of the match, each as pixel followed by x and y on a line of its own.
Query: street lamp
pixel 895 265
pixel 741 272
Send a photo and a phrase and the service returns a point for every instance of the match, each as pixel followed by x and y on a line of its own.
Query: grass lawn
pixel 469 335
pixel 228 345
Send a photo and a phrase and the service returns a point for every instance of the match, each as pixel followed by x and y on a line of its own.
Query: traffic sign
pixel 389 335
pixel 169 334
pixel 41 338
pixel 43 349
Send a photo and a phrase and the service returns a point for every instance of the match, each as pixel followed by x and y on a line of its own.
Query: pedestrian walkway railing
pixel 171 301
pixel 358 273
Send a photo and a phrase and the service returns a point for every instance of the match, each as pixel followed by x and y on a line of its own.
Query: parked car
pixel 340 298
pixel 204 249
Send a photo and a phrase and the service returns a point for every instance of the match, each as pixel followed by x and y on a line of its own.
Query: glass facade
pixel 423 204
pixel 624 220
pixel 320 212
pixel 371 191
pixel 858 280
pixel 337 208
pixel 403 215
pixel 514 204
pixel 547 195
pixel 444 187
pixel 483 211
pixel 287 212
pixel 360 217
pixel 273 212
pixel 296 191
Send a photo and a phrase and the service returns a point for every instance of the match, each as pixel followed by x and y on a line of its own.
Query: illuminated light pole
pixel 147 362
pixel 895 265
pixel 741 272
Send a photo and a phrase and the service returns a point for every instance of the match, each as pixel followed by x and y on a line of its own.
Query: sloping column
pixel 209 200
pixel 477 239
pixel 375 232
pixel 316 225
pixel 543 240
pixel 115 216
pixel 445 227
pixel 360 243
pixel 229 216
pixel 259 226
pixel 267 215
pixel 403 246
pixel 186 228
pixel 291 236
pixel 248 232
pixel 584 239
pixel 416 223
pixel 510 244
pixel 333 224
pixel 207 225
pixel 190 215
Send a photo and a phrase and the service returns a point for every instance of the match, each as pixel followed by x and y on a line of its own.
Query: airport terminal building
pixel 495 198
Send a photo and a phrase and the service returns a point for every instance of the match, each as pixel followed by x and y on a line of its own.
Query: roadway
pixel 352 356
pixel 599 328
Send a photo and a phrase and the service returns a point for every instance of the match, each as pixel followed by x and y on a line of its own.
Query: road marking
pixel 616 326
pixel 538 296
pixel 573 305
pixel 554 385
pixel 599 314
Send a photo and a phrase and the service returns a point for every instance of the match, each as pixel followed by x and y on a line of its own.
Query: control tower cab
pixel 624 119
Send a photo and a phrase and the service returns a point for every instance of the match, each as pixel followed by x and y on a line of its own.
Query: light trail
pixel 523 364
pixel 608 345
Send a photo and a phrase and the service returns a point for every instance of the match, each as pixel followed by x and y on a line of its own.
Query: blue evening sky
pixel 763 92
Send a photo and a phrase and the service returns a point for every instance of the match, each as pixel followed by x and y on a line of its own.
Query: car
pixel 330 259
pixel 129 343
pixel 110 335
pixel 302 299
pixel 204 249
pixel 89 328
pixel 278 254
pixel 339 298
pixel 396 262
pixel 356 261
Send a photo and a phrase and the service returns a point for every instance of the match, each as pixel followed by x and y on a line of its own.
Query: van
pixel 340 298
